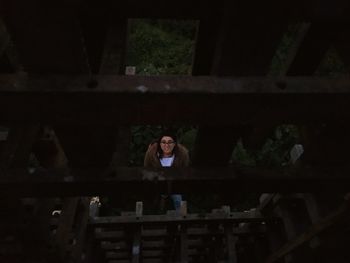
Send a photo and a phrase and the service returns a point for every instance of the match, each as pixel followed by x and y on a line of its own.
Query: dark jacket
pixel 152 161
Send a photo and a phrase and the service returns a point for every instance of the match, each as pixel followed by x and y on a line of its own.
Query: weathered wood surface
pixel 82 219
pixel 161 233
pixel 316 229
pixel 312 49
pixel 136 245
pixel 231 241
pixel 66 221
pixel 47 36
pixel 203 100
pixel 222 180
pixel 51 84
pixel 190 218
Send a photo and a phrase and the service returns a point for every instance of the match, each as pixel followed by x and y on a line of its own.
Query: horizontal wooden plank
pixel 220 180
pixel 193 234
pixel 190 218
pixel 63 99
pixel 185 10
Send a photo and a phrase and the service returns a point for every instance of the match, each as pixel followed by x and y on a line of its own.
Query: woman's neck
pixel 166 155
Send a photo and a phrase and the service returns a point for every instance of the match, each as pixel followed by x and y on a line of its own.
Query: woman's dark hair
pixel 168 134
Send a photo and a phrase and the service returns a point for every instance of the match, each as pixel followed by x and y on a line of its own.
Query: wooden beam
pixel 187 10
pixel 181 10
pixel 60 182
pixel 190 218
pixel 207 38
pixel 204 100
pixel 341 43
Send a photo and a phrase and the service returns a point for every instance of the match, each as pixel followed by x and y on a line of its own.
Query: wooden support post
pixel 183 244
pixel 312 48
pixel 113 57
pixel 312 207
pixel 172 240
pixel 94 207
pixel 64 229
pixel 94 253
pixel 8 53
pixel 266 203
pixel 301 33
pixel 139 209
pixel 213 242
pixel 183 209
pixel 314 214
pixel 50 155
pixel 231 241
pixel 81 232
pixel 136 245
pixel 4 38
pixel 32 229
pixel 296 220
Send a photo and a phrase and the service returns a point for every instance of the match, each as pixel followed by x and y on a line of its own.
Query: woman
pixel 166 152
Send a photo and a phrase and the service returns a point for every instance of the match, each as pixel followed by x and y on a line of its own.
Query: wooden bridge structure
pixel 65 100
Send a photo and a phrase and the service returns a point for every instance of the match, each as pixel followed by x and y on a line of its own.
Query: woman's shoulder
pixel 182 157
pixel 182 149
pixel 152 149
pixel 151 158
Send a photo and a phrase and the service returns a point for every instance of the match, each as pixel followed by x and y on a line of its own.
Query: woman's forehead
pixel 167 138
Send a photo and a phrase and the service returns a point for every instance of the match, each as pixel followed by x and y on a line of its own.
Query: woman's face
pixel 167 145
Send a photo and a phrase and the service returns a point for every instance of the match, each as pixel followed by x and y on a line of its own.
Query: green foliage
pixel 331 65
pixel 142 136
pixel 279 60
pixel 158 47
pixel 275 151
pixel 242 156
